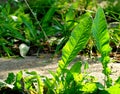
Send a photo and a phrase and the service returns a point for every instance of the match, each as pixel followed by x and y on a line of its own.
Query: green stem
pixel 107 72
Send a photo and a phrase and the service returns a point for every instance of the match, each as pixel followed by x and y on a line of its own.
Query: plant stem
pixel 36 19
pixel 38 23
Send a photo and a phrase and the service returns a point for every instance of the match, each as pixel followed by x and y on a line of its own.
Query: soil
pixel 45 62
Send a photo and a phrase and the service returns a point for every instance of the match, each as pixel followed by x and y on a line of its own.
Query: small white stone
pixel 23 49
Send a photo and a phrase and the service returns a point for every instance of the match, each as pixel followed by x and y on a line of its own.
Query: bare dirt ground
pixel 44 62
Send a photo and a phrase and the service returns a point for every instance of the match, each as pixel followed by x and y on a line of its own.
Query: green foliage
pixel 76 32
pixel 18 83
pixel 30 32
pixel 66 81
pixel 24 83
pixel 101 38
pixel 78 39
pixel 8 30
pixel 112 13
pixel 46 19
pixel 37 21
pixel 115 36
pixel 114 89
pixel 10 79
pixel 16 28
pixel 112 9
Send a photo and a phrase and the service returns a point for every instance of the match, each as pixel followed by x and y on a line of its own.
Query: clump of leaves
pixel 23 82
pixel 69 81
pixel 73 81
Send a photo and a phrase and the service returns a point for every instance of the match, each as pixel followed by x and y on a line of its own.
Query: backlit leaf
pixel 78 39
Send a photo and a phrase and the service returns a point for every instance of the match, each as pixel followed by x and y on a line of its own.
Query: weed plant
pixel 72 81
pixel 40 24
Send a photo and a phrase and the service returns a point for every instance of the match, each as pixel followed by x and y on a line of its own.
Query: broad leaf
pixel 101 37
pixel 100 33
pixel 76 67
pixel 89 88
pixel 77 41
pixel 114 89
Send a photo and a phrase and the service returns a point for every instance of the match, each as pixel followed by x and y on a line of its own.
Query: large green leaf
pixel 101 37
pixel 100 33
pixel 77 41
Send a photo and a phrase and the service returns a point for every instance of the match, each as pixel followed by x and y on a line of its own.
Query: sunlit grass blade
pixel 14 32
pixel 31 30
pixel 48 16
